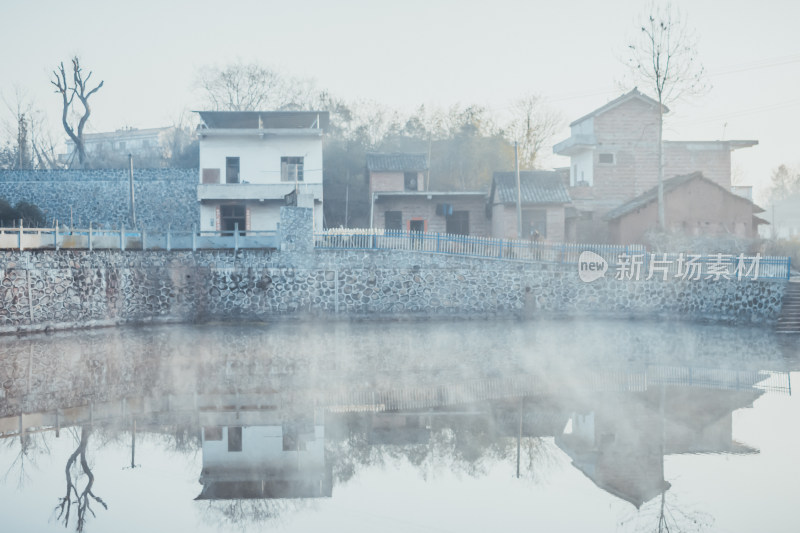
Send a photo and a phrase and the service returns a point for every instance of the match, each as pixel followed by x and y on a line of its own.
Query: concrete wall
pixel 260 159
pixel 504 221
pixel 163 196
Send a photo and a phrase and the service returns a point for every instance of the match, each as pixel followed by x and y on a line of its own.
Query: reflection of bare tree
pixel 30 446
pixel 81 498
pixel 255 512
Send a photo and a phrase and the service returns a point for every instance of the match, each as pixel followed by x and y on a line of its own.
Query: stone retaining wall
pixel 70 289
pixel 163 196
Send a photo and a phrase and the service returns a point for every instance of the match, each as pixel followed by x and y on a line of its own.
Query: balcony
pixel 254 191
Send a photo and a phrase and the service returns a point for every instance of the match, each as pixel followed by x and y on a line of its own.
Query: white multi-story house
pixel 251 162
pixel 145 143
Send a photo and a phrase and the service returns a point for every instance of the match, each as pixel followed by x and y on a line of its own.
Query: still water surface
pixel 466 426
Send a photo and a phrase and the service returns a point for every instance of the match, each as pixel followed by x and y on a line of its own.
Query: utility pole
pixel 133 200
pixel 519 194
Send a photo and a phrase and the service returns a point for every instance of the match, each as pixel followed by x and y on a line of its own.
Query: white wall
pixel 263 446
pixel 260 159
pixel 582 168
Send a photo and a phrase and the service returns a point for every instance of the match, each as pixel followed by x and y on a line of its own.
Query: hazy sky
pixel 403 54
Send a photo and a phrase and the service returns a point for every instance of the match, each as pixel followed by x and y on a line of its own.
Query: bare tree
pixel 533 126
pixel 80 498
pixel 252 87
pixel 79 89
pixel 664 57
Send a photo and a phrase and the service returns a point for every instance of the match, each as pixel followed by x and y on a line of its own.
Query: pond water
pixel 409 426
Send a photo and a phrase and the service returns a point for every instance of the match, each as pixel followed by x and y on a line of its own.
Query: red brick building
pixel 693 205
pixel 613 155
pixel 400 201
pixel 544 201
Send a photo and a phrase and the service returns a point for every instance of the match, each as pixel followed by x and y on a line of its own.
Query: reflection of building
pixel 279 459
pixel 621 442
pixel 251 160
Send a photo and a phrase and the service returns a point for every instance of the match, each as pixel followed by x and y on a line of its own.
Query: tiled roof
pixel 635 93
pixel 537 187
pixel 396 162
pixel 670 184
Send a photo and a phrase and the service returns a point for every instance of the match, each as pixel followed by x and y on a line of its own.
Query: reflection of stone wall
pixel 73 289
pixel 163 196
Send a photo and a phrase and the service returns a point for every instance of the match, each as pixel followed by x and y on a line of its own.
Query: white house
pixel 280 459
pixel 142 143
pixel 250 161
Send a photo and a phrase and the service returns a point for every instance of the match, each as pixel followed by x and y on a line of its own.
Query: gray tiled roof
pixel 537 187
pixel 396 162
pixel 670 184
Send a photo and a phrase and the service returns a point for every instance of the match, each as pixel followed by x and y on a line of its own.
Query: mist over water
pixel 451 426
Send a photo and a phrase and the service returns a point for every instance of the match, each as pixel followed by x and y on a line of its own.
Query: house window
pixel 605 159
pixel 291 169
pixel 212 433
pixel 393 220
pixel 230 216
pixel 235 439
pixel 122 145
pixel 210 175
pixel 458 223
pixel 410 181
pixel 534 223
pixel 231 170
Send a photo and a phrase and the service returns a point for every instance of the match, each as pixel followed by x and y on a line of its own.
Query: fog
pixel 438 407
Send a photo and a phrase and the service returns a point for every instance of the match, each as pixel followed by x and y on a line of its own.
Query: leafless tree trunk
pixel 81 498
pixel 664 57
pixel 68 93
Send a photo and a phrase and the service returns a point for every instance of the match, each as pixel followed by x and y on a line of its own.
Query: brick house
pixel 544 202
pixel 613 155
pixel 400 201
pixel 693 205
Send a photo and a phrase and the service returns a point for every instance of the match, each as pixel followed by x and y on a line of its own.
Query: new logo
pixel 591 266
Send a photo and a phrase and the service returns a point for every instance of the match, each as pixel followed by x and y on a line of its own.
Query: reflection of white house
pixel 281 460
pixel 251 160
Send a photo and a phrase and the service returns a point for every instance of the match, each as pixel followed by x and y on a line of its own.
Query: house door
pixel 230 216
pixel 416 226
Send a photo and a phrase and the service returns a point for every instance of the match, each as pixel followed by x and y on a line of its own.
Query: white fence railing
pixel 629 261
pixel 126 239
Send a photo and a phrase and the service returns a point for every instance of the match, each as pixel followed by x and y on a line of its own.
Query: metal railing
pixel 91 238
pixel 469 245
pixel 645 264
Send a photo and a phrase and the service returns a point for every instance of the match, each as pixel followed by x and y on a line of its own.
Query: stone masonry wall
pixel 68 289
pixel 163 196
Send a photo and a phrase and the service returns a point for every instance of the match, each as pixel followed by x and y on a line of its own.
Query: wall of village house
pixel 712 159
pixel 697 208
pixel 424 209
pixel 504 222
pixel 392 181
pixel 630 132
pixel 260 159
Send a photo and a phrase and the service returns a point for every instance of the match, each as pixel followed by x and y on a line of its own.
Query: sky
pixel 403 54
